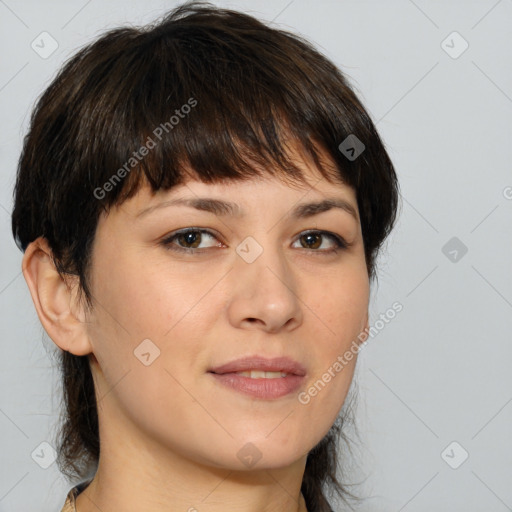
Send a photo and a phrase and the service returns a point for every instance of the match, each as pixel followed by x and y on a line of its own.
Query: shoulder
pixel 69 504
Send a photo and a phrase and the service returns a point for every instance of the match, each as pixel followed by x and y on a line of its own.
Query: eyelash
pixel 168 245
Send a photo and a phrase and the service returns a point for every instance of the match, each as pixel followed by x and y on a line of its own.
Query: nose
pixel 264 294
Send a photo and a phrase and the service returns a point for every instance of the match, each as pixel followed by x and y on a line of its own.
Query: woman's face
pixel 265 280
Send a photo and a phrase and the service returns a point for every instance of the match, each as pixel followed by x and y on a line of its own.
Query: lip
pixel 278 364
pixel 266 389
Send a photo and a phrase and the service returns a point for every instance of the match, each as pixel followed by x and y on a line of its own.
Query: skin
pixel 169 433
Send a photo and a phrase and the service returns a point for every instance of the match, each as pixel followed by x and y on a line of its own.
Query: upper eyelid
pixel 191 229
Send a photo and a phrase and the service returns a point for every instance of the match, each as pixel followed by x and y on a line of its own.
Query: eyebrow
pixel 223 208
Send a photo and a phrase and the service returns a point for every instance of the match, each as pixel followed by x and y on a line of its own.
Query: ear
pixel 55 299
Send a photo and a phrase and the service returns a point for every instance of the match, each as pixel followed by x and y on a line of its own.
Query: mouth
pixel 260 377
pixel 258 367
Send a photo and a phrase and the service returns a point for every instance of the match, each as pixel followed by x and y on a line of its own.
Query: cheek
pixel 338 309
pixel 142 298
pixel 148 313
pixel 341 317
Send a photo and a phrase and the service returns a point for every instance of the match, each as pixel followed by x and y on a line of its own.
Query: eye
pixel 188 240
pixel 314 240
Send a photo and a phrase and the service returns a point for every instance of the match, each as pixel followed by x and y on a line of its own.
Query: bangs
pixel 198 103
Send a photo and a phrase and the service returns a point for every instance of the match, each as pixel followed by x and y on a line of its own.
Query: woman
pixel 200 204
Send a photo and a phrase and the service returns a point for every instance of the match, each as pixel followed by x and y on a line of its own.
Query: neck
pixel 135 473
pixel 211 489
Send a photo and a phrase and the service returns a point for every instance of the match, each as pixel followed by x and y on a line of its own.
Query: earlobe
pixel 53 298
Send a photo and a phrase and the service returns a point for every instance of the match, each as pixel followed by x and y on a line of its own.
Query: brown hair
pixel 205 88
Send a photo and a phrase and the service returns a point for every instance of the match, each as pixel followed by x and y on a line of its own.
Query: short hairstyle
pixel 204 88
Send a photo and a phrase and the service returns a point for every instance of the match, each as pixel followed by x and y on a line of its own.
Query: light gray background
pixel 437 373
